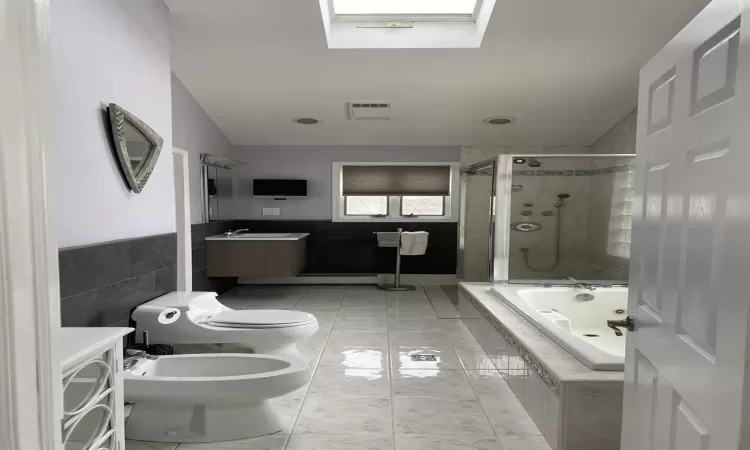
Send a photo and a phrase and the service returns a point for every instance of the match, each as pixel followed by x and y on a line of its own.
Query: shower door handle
pixel 628 324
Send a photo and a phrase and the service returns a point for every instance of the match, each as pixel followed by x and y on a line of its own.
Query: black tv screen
pixel 280 188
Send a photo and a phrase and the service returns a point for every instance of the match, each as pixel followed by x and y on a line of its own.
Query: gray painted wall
pixel 104 51
pixel 194 131
pixel 313 163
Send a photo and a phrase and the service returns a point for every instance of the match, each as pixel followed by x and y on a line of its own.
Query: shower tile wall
pixel 479 189
pixel 610 217
pixel 539 187
pixel 596 219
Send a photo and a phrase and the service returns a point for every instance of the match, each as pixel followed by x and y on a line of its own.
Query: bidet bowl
pixel 214 378
pixel 209 397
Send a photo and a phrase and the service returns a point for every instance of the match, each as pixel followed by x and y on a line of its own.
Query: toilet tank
pixel 184 301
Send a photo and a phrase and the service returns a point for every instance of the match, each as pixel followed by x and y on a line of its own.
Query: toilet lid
pixel 262 318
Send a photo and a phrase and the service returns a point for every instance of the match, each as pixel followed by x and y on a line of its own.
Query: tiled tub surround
pixel 575 408
pixel 368 393
pixel 100 284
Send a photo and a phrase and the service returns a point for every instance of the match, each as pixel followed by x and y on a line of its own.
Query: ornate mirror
pixel 136 144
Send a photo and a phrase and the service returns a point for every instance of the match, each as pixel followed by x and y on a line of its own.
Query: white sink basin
pixel 259 237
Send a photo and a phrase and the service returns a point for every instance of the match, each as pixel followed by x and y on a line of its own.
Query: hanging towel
pixel 414 243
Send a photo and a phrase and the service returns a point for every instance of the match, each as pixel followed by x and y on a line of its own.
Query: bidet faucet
pixel 132 357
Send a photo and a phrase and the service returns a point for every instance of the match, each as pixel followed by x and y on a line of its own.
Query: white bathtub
pixel 580 327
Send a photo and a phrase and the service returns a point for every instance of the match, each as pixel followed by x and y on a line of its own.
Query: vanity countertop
pixel 260 237
pixel 80 343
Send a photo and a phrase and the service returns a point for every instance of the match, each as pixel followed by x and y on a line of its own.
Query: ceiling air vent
pixel 369 111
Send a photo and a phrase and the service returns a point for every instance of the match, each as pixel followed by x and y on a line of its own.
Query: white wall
pixel 314 164
pixel 106 51
pixel 194 131
pixel 620 139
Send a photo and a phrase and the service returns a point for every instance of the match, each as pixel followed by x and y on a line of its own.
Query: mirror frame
pixel 117 118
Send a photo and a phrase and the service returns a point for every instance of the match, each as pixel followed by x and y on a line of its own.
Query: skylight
pixel 405 23
pixel 405 9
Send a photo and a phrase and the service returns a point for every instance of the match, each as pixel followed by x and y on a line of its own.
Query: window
pixel 408 9
pixel 393 192
pixel 422 205
pixel 361 205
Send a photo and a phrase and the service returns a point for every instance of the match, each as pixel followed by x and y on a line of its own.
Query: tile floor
pixel 367 391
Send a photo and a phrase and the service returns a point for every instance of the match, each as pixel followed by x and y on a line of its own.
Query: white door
pixel 686 362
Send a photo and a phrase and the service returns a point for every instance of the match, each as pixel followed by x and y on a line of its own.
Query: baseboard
pixel 313 279
pixel 420 279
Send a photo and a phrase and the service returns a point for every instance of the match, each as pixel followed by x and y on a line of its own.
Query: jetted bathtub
pixel 580 327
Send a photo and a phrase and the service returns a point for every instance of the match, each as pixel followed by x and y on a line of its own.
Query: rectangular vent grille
pixel 369 111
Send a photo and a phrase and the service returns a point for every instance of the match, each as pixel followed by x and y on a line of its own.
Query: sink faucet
pixel 235 232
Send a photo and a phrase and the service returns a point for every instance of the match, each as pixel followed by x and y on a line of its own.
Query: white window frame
pixel 404 17
pixel 452 201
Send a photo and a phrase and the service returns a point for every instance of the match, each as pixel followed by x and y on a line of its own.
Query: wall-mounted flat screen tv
pixel 279 188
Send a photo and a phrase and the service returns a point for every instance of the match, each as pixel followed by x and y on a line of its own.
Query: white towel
pixel 414 243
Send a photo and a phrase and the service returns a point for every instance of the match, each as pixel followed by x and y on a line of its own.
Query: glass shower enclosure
pixel 476 222
pixel 563 219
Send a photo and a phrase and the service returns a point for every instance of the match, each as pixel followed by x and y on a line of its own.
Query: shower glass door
pixel 570 218
pixel 476 225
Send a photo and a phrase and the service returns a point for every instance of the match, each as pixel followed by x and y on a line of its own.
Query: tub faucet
pixel 578 284
pixel 589 287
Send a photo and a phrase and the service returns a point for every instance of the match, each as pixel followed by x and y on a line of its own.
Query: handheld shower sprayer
pixel 558 219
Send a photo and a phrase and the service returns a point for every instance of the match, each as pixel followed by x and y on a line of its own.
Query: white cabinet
pixel 93 402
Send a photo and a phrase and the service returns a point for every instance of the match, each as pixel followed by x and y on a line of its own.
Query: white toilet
pixel 208 398
pixel 204 320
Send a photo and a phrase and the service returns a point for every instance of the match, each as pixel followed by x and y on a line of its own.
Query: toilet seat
pixel 204 321
pixel 271 318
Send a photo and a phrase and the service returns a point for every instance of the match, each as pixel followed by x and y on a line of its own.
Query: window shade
pixel 396 180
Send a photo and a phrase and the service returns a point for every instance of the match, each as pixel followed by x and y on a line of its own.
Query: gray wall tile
pixel 94 266
pixel 79 310
pixel 152 253
pixel 114 302
pixel 165 280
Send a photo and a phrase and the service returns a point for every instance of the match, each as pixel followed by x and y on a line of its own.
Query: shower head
pixel 533 162
pixel 562 196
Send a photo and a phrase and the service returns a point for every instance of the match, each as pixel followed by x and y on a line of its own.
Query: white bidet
pixel 208 397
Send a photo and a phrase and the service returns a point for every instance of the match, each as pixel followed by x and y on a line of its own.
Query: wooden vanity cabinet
pixel 255 258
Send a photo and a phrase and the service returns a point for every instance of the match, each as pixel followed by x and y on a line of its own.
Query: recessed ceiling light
pixel 306 120
pixel 500 120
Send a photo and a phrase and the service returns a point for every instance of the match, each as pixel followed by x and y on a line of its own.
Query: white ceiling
pixel 568 70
